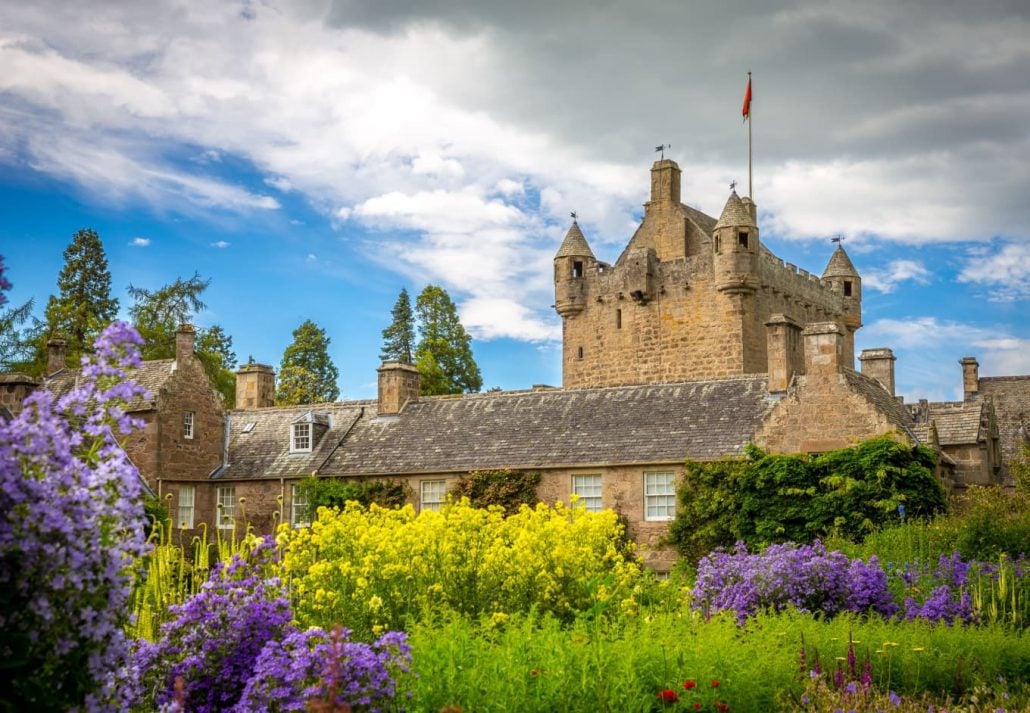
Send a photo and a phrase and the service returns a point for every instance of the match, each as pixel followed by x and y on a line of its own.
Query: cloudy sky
pixel 314 157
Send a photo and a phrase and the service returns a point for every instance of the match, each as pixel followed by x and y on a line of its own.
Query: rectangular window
pixel 618 319
pixel 588 488
pixel 187 495
pixel 301 442
pixel 187 425
pixel 579 353
pixel 742 238
pixel 434 494
pixel 659 496
pixel 227 501
pixel 717 243
pixel 298 508
pixel 577 268
pixel 847 288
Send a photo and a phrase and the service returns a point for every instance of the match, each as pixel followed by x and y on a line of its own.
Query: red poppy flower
pixel 689 684
pixel 668 696
pixel 715 683
pixel 721 707
pixel 697 706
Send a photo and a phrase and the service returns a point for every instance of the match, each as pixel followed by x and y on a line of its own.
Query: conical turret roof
pixel 574 245
pixel 840 265
pixel 735 214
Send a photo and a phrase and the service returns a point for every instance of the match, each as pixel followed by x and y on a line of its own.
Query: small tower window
pixel 187 425
pixel 579 353
pixel 847 288
pixel 618 319
pixel 742 238
pixel 718 245
pixel 577 268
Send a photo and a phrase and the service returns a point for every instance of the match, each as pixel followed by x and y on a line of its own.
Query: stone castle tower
pixel 692 297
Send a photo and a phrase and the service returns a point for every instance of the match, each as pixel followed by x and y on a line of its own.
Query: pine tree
pixel 445 346
pixel 399 337
pixel 16 344
pixel 83 305
pixel 307 375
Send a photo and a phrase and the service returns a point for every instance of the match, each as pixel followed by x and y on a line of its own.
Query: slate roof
pixel 735 214
pixel 874 392
pixel 574 244
pixel 263 449
pixel 840 265
pixel 151 375
pixel 1011 398
pixel 958 422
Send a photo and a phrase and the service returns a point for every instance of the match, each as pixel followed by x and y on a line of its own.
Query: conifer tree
pixel 307 375
pixel 399 337
pixel 445 348
pixel 16 344
pixel 83 305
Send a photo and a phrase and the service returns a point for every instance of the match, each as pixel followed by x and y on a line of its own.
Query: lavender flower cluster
pixel 232 647
pixel 806 577
pixel 70 527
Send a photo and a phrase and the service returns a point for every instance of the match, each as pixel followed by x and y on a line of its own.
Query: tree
pixel 445 344
pixel 399 337
pixel 157 314
pixel 83 305
pixel 307 375
pixel 16 344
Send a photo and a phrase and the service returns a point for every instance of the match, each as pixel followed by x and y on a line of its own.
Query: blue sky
pixel 311 158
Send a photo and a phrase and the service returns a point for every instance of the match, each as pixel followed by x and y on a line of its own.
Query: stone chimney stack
pixel 56 354
pixel 783 337
pixel 255 386
pixel 14 389
pixel 824 348
pixel 399 384
pixel 970 377
pixel 665 182
pixel 184 337
pixel 879 364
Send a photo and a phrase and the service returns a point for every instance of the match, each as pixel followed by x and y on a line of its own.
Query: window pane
pixel 659 496
pixel 227 499
pixel 298 508
pixel 588 488
pixel 302 436
pixel 434 494
pixel 187 426
pixel 187 493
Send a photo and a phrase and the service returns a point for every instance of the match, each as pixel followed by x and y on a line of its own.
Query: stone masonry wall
pixel 178 457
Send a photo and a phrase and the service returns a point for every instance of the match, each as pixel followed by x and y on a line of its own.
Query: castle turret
pixel 843 278
pixel 735 242
pixel 571 263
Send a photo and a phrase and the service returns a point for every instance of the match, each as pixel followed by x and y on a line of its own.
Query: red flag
pixel 747 99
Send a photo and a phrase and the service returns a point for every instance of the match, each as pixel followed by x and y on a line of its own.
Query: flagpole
pixel 750 187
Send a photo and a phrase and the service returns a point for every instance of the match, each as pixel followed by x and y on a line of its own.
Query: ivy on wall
pixel 505 487
pixel 335 492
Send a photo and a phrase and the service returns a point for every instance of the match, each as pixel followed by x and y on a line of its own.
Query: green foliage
pixel 154 512
pixel 158 314
pixel 335 492
pixel 506 488
pixel 399 337
pixel 307 375
pixel 444 353
pixel 993 522
pixel 83 305
pixel 777 498
pixel 1019 468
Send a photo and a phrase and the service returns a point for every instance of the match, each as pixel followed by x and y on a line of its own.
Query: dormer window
pixel 742 237
pixel 577 268
pixel 300 441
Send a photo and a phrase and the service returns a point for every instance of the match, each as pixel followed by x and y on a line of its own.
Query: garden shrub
pixel 70 527
pixel 335 492
pixel 505 488
pixel 373 568
pixel 768 498
pixel 992 522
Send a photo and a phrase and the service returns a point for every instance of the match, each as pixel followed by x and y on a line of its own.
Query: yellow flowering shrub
pixel 371 569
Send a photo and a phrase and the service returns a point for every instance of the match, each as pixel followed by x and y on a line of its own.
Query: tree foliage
pixel 157 315
pixel 307 375
pixel 16 342
pixel 335 492
pixel 399 337
pixel 444 353
pixel 768 498
pixel 83 305
pixel 505 487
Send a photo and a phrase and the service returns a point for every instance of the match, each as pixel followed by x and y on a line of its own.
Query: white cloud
pixel 897 271
pixel 1005 272
pixel 220 244
pixel 140 242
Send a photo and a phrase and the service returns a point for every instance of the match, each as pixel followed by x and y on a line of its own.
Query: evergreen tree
pixel 445 346
pixel 16 344
pixel 307 375
pixel 157 315
pixel 83 305
pixel 399 337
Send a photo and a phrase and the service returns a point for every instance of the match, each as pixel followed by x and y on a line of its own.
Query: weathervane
pixel 838 239
pixel 574 215
pixel 733 185
pixel 661 149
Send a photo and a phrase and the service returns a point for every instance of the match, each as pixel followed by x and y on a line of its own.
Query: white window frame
pixel 588 488
pixel 432 495
pixel 295 437
pixel 187 425
pixel 298 509
pixel 186 506
pixel 659 495
pixel 227 499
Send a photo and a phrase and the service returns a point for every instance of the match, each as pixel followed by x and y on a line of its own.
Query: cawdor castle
pixel 695 342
